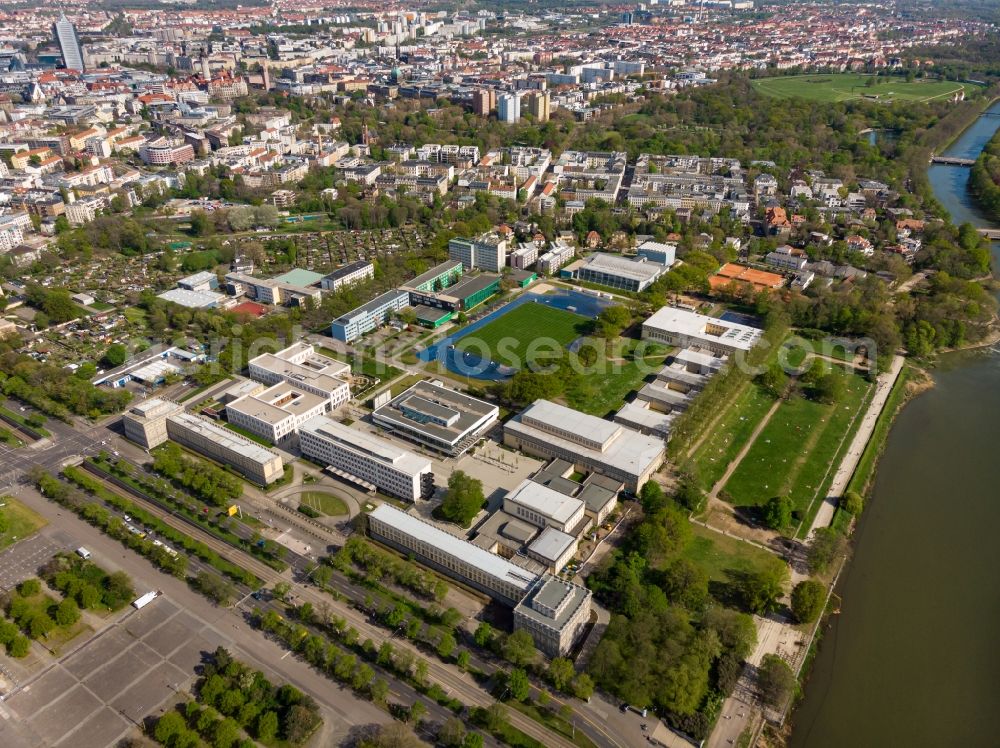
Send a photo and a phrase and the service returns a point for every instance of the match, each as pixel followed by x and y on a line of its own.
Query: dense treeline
pixel 984 181
pixel 670 644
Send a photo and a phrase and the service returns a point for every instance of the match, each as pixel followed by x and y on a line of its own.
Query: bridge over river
pixel 952 160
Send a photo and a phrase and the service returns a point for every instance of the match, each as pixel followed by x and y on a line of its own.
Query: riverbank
pixel 903 662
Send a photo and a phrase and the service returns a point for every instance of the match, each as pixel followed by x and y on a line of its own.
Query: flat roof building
pixel 203 281
pixel 679 327
pixel 277 412
pixel 469 292
pixel 192 299
pixel 452 556
pixel 145 423
pixel 367 317
pixel 348 275
pixel 366 459
pixel 437 417
pixel 553 549
pixel 547 429
pixel 555 612
pixel 257 463
pixel 545 507
pixel 275 290
pixel 299 364
pixel 437 278
pixel 615 271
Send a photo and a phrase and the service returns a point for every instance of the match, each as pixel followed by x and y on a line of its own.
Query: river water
pixel 914 659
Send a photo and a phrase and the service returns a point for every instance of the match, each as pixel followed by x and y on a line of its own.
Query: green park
pixel 833 87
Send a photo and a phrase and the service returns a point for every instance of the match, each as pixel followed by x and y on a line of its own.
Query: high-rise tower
pixel 69 43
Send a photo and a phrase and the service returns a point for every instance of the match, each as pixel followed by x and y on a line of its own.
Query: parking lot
pixel 96 694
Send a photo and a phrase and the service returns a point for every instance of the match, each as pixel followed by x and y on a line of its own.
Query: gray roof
pixel 551 544
pixel 488 563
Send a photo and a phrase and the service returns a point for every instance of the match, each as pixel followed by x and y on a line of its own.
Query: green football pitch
pixel 846 86
pixel 518 336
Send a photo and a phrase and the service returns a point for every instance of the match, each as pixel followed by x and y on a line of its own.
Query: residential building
pixel 537 104
pixel 486 252
pixel 348 275
pixel 368 460
pixel 367 317
pixel 559 255
pixel 509 108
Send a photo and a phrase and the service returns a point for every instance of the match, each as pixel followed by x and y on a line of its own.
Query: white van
pixel 83 553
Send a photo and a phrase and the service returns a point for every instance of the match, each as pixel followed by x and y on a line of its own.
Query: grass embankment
pixel 720 555
pixel 865 469
pixel 730 434
pixel 324 503
pixel 794 454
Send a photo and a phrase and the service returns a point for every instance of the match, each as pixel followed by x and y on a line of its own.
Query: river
pixel 913 658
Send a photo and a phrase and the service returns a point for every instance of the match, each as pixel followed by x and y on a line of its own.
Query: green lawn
pixel 134 314
pixel 508 339
pixel 248 434
pixel 367 365
pixel 718 555
pixel 325 503
pixel 602 391
pixel 19 521
pixel 845 86
pixel 730 434
pixel 795 453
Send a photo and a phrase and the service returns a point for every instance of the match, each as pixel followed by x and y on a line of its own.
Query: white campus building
pixel 299 364
pixel 684 329
pixel 366 459
pixel 277 412
pixel 547 429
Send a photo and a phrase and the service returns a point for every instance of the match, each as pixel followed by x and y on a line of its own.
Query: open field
pixel 324 503
pixel 507 338
pixel 795 452
pixel 604 390
pixel 846 86
pixel 722 445
pixel 719 556
pixel 18 523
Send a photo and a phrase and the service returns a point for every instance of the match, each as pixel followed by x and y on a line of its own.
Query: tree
pixel 808 599
pixel 201 224
pixel 473 740
pixel 29 587
pixel 378 690
pixel 452 733
pixel 267 727
pixel 67 612
pixel 775 680
pixel 115 355
pixel 830 388
pixel 19 646
pixel 773 379
pixel 168 727
pixel 827 544
pixel 483 634
pixel 226 733
pixel 582 686
pixel 652 497
pixel 518 684
pixel 417 711
pixel 760 589
pixel 463 500
pixel 778 512
pixel 853 503
pixel 561 672
pixel 519 648
pixel 446 645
